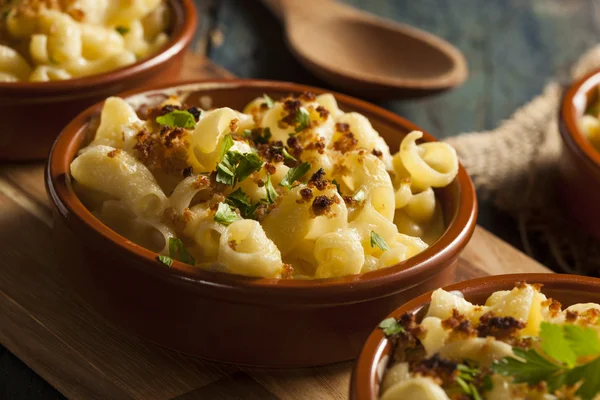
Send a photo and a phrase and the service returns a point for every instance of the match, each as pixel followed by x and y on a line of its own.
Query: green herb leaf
pixel 177 118
pixel 225 174
pixel 271 193
pixel 251 213
pixel 225 215
pixel 475 392
pixel 226 144
pixel 337 185
pixel 390 326
pixel 360 195
pixel 249 163
pixel 268 101
pixel 258 135
pixel 587 374
pixel 178 251
pixel 532 368
pixel 287 156
pixel 583 341
pixel 463 385
pixel 378 241
pixel 240 200
pixel 294 174
pixel 123 30
pixel 165 260
pixel 466 377
pixel 554 344
pixel 302 120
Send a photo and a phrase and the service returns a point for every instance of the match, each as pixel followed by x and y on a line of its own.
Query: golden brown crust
pixel 317 180
pixel 113 153
pixel 306 195
pixel 345 143
pixel 498 327
pixel 166 150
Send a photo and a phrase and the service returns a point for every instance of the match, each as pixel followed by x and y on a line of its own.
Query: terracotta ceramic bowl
pixel 370 365
pixel 579 164
pixel 34 113
pixel 230 318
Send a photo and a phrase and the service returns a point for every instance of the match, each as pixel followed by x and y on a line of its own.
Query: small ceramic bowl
pixel 34 113
pixel 231 318
pixel 370 365
pixel 579 163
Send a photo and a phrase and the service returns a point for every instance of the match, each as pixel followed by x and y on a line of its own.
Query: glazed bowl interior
pixel 374 357
pixel 181 30
pixel 458 200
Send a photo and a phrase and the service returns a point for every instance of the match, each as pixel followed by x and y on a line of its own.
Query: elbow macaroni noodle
pixel 458 348
pixel 291 188
pixel 44 41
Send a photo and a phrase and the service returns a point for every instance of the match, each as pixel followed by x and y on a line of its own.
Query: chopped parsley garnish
pixel 287 156
pixel 251 212
pixel 226 144
pixel 466 378
pixel 302 120
pixel 177 119
pixel 239 200
pixel 271 193
pixel 249 163
pixel 258 135
pixel 337 185
pixel 234 166
pixel 165 260
pixel 561 345
pixel 268 101
pixel 294 174
pixel 225 215
pixel 177 251
pixel 390 326
pixel 123 30
pixel 242 202
pixel 378 241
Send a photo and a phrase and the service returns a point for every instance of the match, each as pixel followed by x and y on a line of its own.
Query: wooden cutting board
pixel 85 357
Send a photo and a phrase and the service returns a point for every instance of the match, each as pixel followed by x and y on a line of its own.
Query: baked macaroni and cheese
pixel 290 188
pixel 48 40
pixel 590 124
pixel 518 345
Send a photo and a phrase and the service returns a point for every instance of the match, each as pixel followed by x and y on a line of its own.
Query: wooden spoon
pixel 367 55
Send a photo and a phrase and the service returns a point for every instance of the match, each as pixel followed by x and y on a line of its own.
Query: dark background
pixel 513 47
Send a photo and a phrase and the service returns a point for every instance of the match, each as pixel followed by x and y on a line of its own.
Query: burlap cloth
pixel 515 167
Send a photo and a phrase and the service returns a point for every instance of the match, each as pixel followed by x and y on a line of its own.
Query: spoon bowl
pixel 367 55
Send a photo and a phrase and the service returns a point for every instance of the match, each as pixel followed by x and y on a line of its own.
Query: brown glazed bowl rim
pixel 348 289
pixel 573 101
pixel 364 383
pixel 184 27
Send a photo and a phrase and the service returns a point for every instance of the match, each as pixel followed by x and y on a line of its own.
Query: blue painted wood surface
pixel 513 48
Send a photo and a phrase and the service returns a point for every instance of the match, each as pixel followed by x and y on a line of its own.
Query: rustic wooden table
pixel 512 46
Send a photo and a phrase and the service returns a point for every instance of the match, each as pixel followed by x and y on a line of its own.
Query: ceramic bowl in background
pixel 33 113
pixel 370 365
pixel 579 163
pixel 231 318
